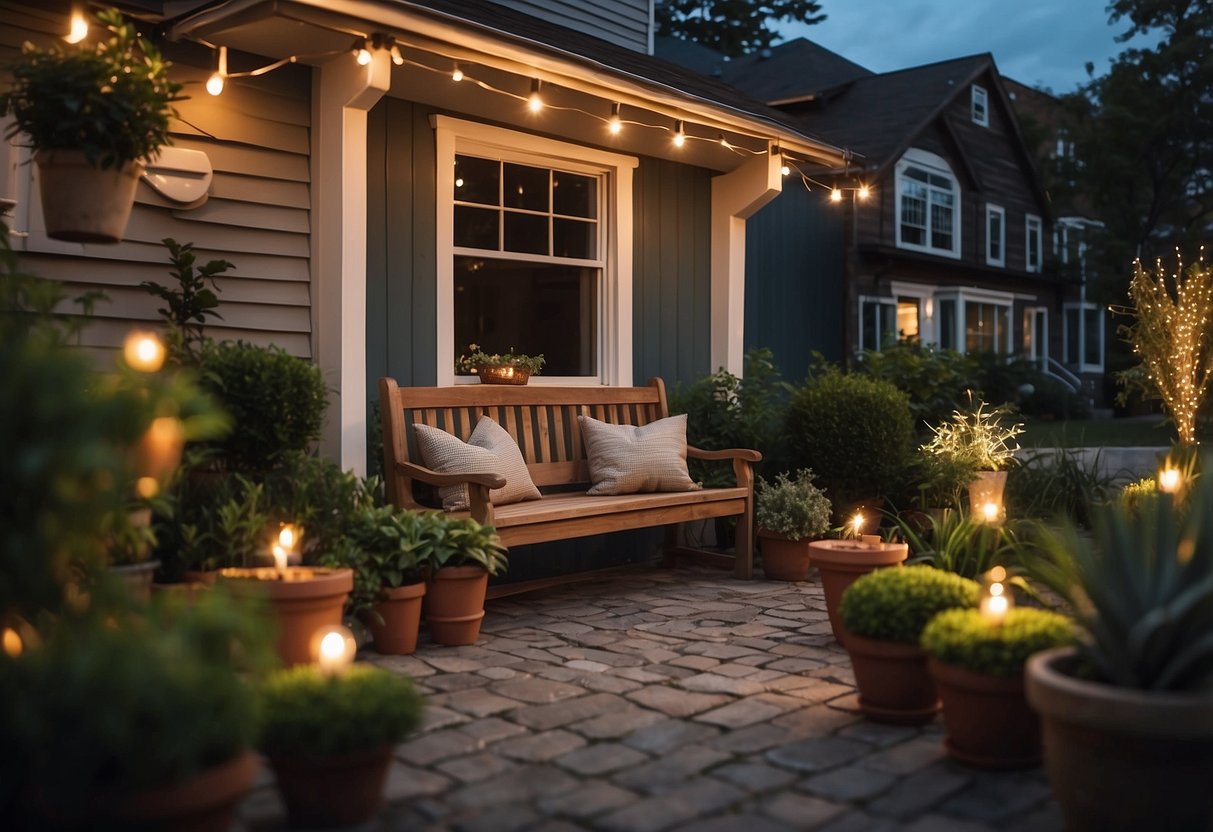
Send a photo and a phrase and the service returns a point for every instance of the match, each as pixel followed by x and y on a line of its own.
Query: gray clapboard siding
pixel 622 22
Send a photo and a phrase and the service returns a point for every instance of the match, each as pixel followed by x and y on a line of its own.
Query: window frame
pixel 963 297
pixel 615 320
pixel 932 164
pixel 1036 335
pixel 993 210
pixel 1082 307
pixel 1031 221
pixel 979 99
pixel 885 306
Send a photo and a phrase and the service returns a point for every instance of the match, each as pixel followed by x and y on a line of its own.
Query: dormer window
pixel 980 106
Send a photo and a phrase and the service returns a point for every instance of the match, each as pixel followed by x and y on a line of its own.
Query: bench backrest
pixel 542 420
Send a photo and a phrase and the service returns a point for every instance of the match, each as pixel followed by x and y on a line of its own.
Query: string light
pixel 397 57
pixel 863 192
pixel 78 28
pixel 835 195
pixel 680 134
pixel 457 74
pixel 214 84
pixel 615 123
pixel 535 101
pixel 361 53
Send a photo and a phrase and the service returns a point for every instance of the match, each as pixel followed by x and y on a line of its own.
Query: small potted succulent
pixel 1127 714
pixel 978 439
pixel 93 112
pixel 789 512
pixel 498 368
pixel 329 738
pixel 884 614
pixel 381 547
pixel 460 554
pixel 978 666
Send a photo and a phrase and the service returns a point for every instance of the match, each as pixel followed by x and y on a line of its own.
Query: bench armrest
pixel 432 477
pixel 729 453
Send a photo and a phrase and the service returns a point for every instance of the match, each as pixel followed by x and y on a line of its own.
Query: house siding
pixel 257 136
pixel 622 22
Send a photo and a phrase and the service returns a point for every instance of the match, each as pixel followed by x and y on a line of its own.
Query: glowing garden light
pixel 334 648
pixel 996 599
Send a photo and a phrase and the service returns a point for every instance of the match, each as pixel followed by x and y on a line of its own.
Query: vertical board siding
pixel 622 22
pixel 258 214
pixel 794 287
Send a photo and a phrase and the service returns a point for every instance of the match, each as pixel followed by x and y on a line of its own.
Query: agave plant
pixel 1142 587
pixel 954 542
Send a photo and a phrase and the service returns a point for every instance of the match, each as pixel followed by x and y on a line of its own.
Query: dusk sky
pixel 1038 42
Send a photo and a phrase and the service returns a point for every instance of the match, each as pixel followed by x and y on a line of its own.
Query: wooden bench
pixel 543 421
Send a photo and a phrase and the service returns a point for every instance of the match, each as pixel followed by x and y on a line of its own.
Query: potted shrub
pixel 788 512
pixel 884 614
pixel 329 739
pixel 979 440
pixel 498 368
pixel 381 548
pixel 460 554
pixel 1127 714
pixel 978 668
pixel 92 112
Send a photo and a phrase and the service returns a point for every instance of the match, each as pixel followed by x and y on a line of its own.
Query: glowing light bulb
pixel 334 648
pixel 214 84
pixel 397 57
pixel 1169 480
pixel 835 195
pixel 785 170
pixel 995 600
pixel 680 136
pixel 614 123
pixel 457 74
pixel 143 351
pixel 11 643
pixel 288 536
pixel 147 487
pixel 863 192
pixel 535 102
pixel 78 28
pixel 990 511
pixel 363 55
pixel 857 523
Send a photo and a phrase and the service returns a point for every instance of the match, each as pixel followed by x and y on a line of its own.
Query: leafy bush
pixel 895 604
pixel 724 411
pixel 795 508
pixel 955 542
pixel 310 715
pixel 854 431
pixel 277 400
pixel 976 437
pixel 1134 495
pixel 935 380
pixel 1048 485
pixel 961 637
pixel 382 546
pixel 456 541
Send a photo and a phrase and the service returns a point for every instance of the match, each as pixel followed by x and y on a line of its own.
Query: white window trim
pixel 1001 260
pixel 1081 364
pixel 979 94
pixel 453 136
pixel 964 295
pixel 914 157
pixel 879 300
pixel 1039 339
pixel 1030 220
pixel 925 294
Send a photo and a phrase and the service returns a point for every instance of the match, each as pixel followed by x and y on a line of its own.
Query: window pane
pixel 526 187
pixel 995 235
pixel 1093 343
pixel 1030 346
pixel 1004 329
pixel 574 195
pixel 916 173
pixel 947 324
pixel 907 318
pixel 979 327
pixel 476 227
pixel 941 220
pixel 574 238
pixel 476 180
pixel 526 233
pixel 531 308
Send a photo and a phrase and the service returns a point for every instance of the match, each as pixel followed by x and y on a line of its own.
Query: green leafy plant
pixel 310 715
pixel 854 432
pixel 954 542
pixel 381 544
pixel 459 541
pixel 1135 494
pixel 476 358
pixel 963 638
pixel 1060 483
pixel 895 604
pixel 1141 586
pixel 110 99
pixel 935 380
pixel 192 301
pixel 977 436
pixel 794 508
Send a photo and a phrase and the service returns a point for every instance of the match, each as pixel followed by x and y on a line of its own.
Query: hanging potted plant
pixel 979 441
pixel 884 614
pixel 461 554
pixel 92 113
pixel 329 738
pixel 1127 714
pixel 498 368
pixel 788 513
pixel 381 544
pixel 977 662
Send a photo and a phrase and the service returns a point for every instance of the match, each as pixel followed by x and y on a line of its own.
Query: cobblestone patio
pixel 670 699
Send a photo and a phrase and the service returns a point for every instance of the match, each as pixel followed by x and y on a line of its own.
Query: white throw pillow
pixel 490 449
pixel 625 459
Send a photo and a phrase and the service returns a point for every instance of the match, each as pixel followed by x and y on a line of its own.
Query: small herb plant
pixel 460 541
pixel 962 638
pixel 382 546
pixel 476 358
pixel 308 714
pixel 189 305
pixel 978 437
pixel 895 604
pixel 794 508
pixel 110 99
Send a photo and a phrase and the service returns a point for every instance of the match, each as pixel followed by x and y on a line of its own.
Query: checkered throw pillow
pixel 625 459
pixel 490 449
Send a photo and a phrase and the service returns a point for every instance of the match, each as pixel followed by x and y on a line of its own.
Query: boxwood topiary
pixel 895 604
pixel 961 637
pixel 308 714
pixel 854 431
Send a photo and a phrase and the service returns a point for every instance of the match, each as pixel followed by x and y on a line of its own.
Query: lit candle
pixel 1169 480
pixel 280 556
pixel 995 599
pixel 10 641
pixel 990 511
pixel 857 524
pixel 334 648
pixel 143 351
pixel 288 536
pixel 159 450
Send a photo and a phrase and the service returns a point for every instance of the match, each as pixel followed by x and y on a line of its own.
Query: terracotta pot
pixel 137 577
pixel 302 599
pixel 203 803
pixel 82 203
pixel 841 562
pixel 893 681
pixel 341 790
pixel 1122 759
pixel 454 604
pixel 400 611
pixel 784 559
pixel 989 723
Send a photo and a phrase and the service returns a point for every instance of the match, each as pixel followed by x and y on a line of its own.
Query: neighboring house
pixel 383 214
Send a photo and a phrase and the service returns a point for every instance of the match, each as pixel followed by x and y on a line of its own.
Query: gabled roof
pixel 793 71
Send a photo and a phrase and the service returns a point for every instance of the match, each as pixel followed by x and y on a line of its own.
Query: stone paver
pixel 679 700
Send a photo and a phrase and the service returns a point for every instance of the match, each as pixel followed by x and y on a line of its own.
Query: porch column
pixel 736 196
pixel 342 93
